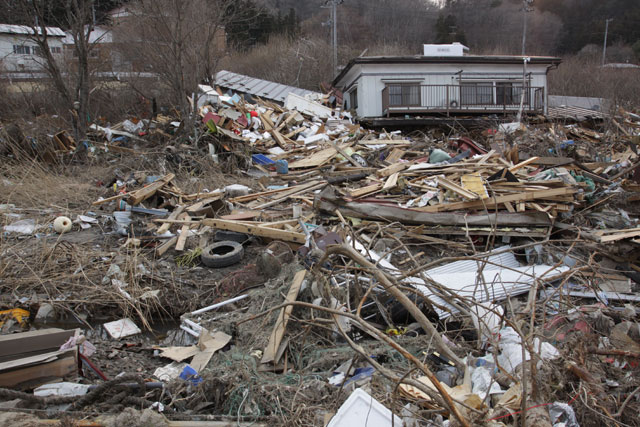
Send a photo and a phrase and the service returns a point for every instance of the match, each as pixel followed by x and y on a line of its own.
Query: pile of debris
pixel 410 279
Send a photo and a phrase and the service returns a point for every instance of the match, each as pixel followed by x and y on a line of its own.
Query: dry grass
pixel 583 76
pixel 32 185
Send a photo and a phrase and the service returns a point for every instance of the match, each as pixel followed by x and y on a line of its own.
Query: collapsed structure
pixel 439 277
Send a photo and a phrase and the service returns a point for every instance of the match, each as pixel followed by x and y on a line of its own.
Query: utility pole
pixel 334 32
pixel 525 9
pixel 606 33
pixel 334 38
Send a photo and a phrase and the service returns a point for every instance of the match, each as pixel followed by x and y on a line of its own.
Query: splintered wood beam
pixel 138 196
pixel 184 233
pixel 256 230
pixel 390 170
pixel 492 201
pixel 174 215
pixel 271 350
pixel 522 164
pixel 366 190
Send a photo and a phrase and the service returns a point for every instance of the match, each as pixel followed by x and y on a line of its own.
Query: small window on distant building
pixel 56 49
pixel 93 53
pixel 21 50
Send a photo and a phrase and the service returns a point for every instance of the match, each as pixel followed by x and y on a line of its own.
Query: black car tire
pixel 222 254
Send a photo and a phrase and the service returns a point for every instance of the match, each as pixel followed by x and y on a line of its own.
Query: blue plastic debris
pixel 191 375
pixel 282 167
pixel 261 159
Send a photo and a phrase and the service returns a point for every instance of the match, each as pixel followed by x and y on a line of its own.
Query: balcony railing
pixel 472 98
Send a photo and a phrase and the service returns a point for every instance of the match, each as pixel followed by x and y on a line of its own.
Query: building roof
pixel 100 34
pixel 120 12
pixel 26 30
pixel 258 87
pixel 466 59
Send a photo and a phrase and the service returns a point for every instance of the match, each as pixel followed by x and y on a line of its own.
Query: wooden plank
pixel 444 182
pixel 328 201
pixel 390 170
pixel 385 141
pixel 256 230
pixel 269 354
pixel 110 199
pixel 254 196
pixel 174 215
pixel 277 136
pixel 16 345
pixel 318 158
pixel 492 201
pixel 391 182
pixel 40 374
pixel 509 207
pixel 160 250
pixel 366 190
pixel 138 196
pixel 620 236
pixel 184 233
pixel 298 189
pixel 522 164
pixel 395 155
pixel 295 132
pixel 486 157
pixel 239 216
pixel 345 154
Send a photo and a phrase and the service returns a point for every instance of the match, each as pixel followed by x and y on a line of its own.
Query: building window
pixel 510 93
pixel 353 99
pixel 21 50
pixel 476 94
pixel 405 95
pixel 56 49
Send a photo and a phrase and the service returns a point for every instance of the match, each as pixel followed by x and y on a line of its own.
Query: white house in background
pixel 19 53
pixel 444 80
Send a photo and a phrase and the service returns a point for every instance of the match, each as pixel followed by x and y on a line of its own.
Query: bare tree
pixel 179 41
pixel 76 16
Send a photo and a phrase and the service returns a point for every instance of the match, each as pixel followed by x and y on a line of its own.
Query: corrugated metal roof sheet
pixel 258 87
pixel 572 112
pixel 26 30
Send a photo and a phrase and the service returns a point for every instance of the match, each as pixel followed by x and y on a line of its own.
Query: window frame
pixel 404 94
pixel 476 97
pixel 21 49
pixel 353 99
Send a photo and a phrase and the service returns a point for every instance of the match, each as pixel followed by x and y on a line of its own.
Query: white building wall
pixel 371 79
pixel 23 62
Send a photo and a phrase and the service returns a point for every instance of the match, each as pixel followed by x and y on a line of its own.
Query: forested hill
pixel 555 26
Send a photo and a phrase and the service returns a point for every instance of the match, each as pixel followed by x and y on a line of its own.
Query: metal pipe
pixel 218 305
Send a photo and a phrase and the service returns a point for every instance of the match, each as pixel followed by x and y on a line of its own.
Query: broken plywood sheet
pixel 474 184
pixel 318 158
